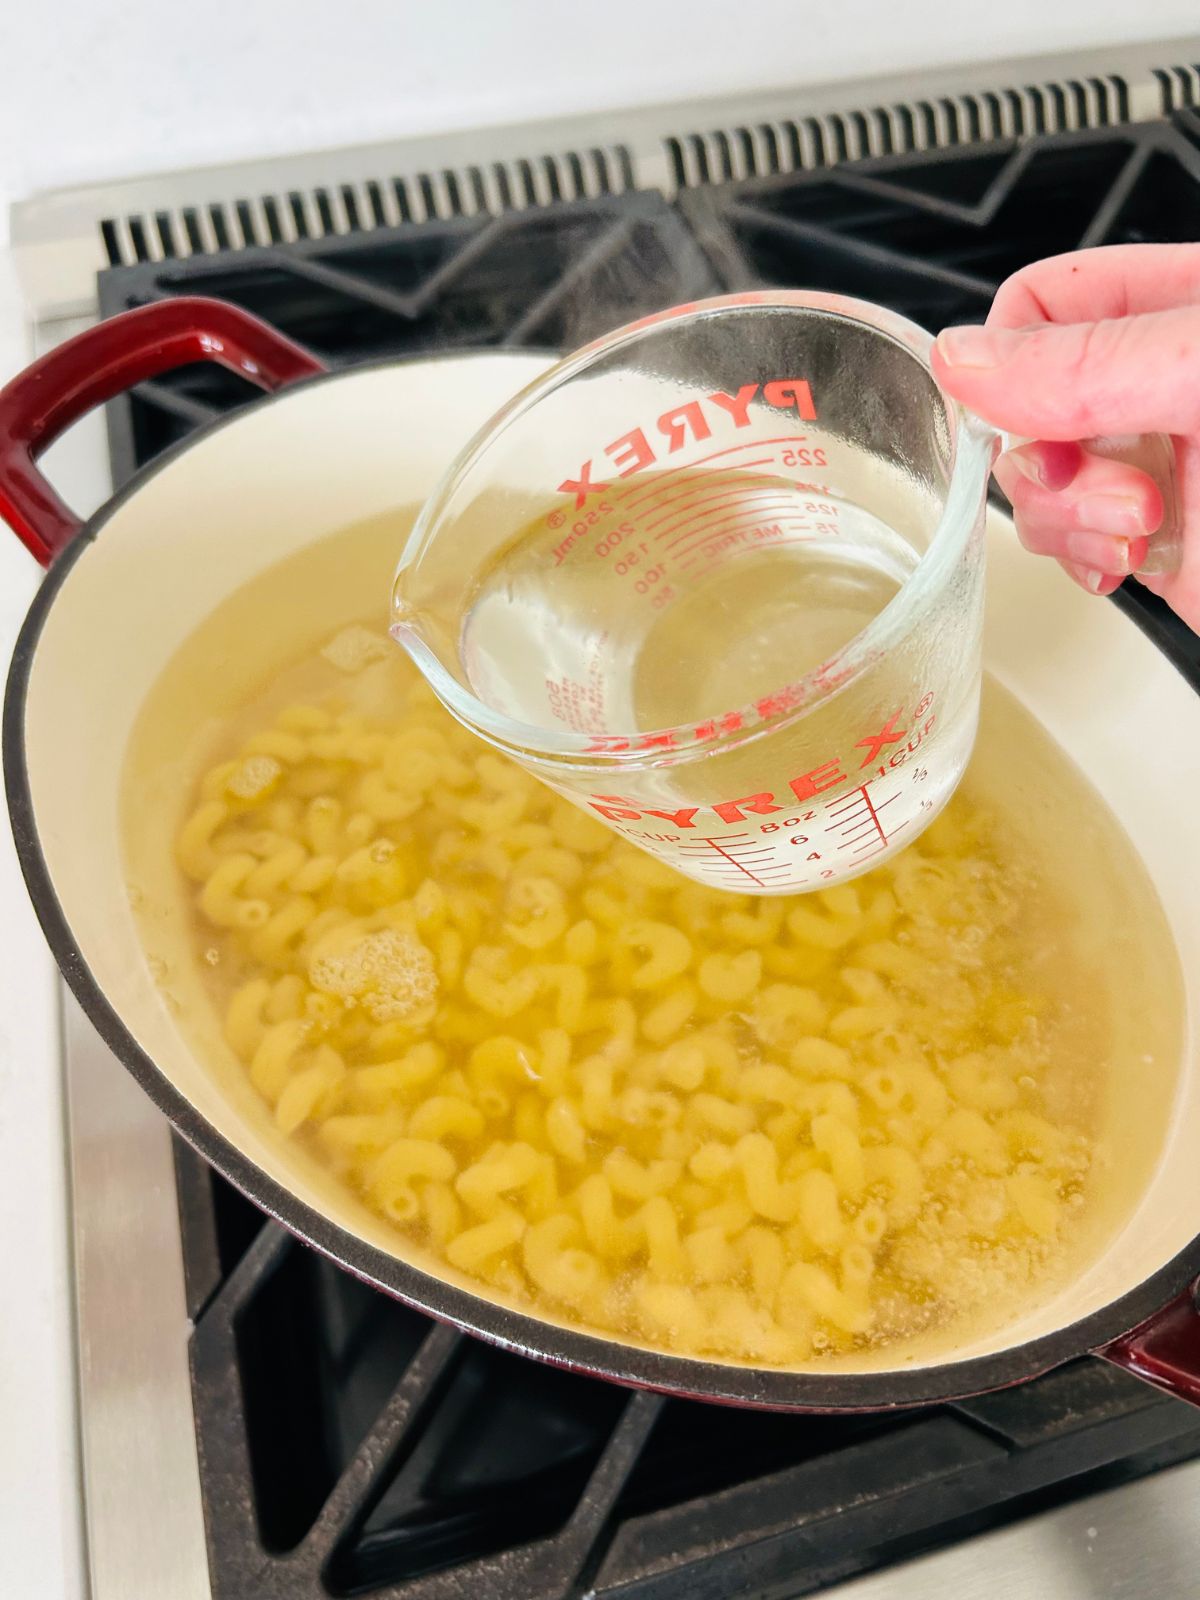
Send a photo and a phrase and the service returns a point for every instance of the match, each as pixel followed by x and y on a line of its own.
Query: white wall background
pixel 93 88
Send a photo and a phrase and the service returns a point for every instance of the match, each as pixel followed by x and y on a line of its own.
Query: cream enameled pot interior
pixel 332 454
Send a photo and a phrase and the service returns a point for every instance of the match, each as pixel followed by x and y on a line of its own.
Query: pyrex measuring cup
pixel 718 578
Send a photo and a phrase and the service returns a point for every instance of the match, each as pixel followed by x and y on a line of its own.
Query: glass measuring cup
pixel 718 578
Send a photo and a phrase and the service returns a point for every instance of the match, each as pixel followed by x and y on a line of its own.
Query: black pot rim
pixel 512 1330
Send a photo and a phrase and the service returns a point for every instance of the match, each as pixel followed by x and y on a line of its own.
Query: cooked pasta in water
pixel 777 1131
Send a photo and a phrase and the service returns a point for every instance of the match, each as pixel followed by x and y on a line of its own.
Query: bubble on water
pixel 357 647
pixel 253 776
pixel 390 972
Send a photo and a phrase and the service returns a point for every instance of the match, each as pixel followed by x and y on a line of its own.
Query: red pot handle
pixel 1165 1349
pixel 100 363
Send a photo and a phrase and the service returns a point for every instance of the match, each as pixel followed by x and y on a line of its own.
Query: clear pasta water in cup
pixel 718 578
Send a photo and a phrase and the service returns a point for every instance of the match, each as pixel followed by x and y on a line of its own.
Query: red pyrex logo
pixel 878 748
pixel 639 448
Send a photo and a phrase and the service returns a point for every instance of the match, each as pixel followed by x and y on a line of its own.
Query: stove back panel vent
pixel 1179 86
pixel 328 210
pixel 692 160
pixel 721 155
pixel 61 240
pixel 792 145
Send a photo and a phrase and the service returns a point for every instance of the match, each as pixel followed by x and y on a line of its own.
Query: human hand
pixel 1098 343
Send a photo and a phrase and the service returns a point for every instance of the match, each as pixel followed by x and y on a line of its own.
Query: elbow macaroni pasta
pixel 770 1131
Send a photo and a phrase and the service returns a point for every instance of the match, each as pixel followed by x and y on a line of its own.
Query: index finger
pixel 1120 280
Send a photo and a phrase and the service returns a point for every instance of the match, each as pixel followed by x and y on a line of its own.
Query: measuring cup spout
pixel 413 626
pixel 408 628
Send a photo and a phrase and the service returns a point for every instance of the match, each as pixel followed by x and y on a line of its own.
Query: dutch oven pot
pixel 323 451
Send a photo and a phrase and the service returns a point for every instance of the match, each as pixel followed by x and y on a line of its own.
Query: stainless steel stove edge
pixel 144 1517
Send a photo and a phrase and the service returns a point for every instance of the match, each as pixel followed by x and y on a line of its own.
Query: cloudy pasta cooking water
pixel 835 1128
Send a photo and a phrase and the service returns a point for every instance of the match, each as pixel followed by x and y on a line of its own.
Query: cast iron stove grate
pixel 348 1445
pixel 542 279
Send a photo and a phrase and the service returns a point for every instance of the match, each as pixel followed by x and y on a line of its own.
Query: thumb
pixel 1081 379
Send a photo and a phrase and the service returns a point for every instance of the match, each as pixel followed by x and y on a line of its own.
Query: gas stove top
pixel 345 1445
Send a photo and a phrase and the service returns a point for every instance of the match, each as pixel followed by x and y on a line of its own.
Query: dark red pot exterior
pixel 1165 1349
pixel 102 362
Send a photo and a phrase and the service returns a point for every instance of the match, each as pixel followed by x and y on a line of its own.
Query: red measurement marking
pixel 713 544
pixel 640 492
pixel 872 848
pixel 870 825
pixel 765 509
pixel 772 508
pixel 850 802
pixel 713 557
pixel 874 814
pixel 760 481
pixel 752 517
pixel 877 845
pixel 729 856
pixel 859 833
pixel 725 495
pixel 858 815
pixel 859 828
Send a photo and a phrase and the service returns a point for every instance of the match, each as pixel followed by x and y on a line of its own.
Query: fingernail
pixel 1112 513
pixel 1052 464
pixel 1103 552
pixel 977 347
pixel 1087 578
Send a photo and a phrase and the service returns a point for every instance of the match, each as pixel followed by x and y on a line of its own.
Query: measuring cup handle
pixel 1165 1349
pixel 1153 454
pixel 100 363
